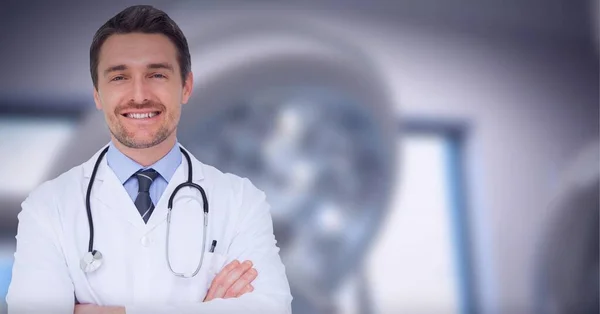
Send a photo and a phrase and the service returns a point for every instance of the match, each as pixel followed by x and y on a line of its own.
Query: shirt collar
pixel 124 167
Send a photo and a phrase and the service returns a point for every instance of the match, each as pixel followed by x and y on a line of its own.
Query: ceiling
pixel 44 50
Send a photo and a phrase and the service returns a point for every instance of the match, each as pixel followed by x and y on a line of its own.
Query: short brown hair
pixel 141 19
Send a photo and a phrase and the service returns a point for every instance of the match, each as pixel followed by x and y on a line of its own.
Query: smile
pixel 141 115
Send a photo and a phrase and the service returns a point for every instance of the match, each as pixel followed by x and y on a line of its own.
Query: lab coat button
pixel 145 241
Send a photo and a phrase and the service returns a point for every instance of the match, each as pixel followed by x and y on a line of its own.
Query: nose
pixel 139 93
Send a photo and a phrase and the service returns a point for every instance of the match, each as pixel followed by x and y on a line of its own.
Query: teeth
pixel 141 115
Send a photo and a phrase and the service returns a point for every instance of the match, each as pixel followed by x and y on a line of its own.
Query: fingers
pixel 225 271
pixel 226 278
pixel 247 289
pixel 247 278
pixel 213 286
pixel 231 278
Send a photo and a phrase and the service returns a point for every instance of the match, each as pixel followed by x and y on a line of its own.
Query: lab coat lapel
pixel 116 199
pixel 109 192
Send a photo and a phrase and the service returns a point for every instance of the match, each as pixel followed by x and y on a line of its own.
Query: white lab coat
pixel 53 235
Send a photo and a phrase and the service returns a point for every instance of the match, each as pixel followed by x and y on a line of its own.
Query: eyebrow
pixel 163 65
pixel 122 67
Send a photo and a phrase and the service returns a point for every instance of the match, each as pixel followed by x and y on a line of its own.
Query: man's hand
pixel 97 309
pixel 233 281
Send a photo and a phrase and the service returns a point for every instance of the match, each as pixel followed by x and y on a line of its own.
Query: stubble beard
pixel 128 139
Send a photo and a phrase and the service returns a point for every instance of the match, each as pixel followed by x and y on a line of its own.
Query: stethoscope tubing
pixel 188 183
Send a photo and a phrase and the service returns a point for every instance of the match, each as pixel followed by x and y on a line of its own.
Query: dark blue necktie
pixel 143 202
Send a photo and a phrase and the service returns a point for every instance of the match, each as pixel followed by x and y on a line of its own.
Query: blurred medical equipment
pixel 568 264
pixel 307 118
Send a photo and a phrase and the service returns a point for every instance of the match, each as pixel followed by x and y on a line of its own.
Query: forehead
pixel 136 50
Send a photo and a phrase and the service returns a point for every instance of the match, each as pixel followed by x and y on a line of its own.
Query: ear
pixel 97 99
pixel 187 88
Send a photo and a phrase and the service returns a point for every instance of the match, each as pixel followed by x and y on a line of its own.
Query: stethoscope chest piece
pixel 91 261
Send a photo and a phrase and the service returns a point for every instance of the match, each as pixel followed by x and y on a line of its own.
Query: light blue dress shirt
pixel 124 167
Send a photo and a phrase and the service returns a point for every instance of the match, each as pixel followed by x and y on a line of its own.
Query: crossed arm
pixel 233 281
pixel 260 286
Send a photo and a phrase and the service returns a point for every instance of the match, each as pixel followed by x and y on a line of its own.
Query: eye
pixel 158 75
pixel 117 78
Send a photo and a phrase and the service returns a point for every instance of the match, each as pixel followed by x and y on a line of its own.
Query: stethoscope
pixel 92 260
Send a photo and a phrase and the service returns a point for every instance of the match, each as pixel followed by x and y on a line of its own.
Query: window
pixel 416 262
pixel 30 138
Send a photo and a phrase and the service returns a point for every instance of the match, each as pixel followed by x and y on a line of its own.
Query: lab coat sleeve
pixel 40 277
pixel 255 241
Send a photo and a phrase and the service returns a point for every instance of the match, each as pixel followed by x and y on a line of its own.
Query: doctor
pixel 99 238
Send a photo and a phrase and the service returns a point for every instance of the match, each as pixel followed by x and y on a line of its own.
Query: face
pixel 140 89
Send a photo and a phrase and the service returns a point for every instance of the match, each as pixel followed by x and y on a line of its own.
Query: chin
pixel 140 138
pixel 147 142
pixel 139 142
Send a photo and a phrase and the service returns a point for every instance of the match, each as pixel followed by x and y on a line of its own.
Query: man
pixel 141 72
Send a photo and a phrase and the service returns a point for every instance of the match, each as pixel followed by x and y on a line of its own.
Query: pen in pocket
pixel 212 247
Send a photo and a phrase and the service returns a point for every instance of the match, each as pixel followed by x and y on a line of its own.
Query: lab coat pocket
pixel 194 289
pixel 215 263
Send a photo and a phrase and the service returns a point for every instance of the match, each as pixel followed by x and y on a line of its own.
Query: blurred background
pixel 420 156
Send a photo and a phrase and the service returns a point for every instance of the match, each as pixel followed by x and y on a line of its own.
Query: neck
pixel 147 156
